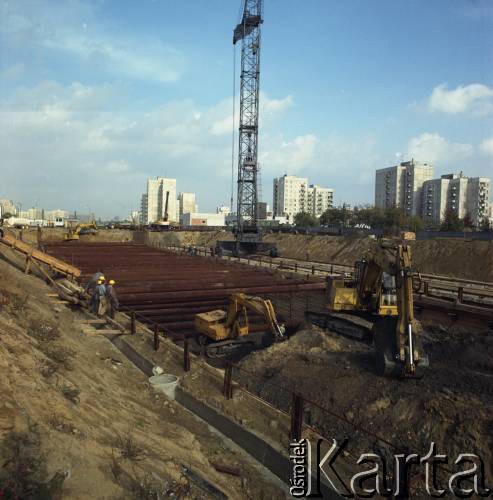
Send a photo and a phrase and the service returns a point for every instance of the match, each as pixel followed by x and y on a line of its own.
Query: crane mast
pixel 248 31
pixel 248 233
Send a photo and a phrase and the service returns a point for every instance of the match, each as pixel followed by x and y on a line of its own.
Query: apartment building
pixel 7 207
pixel 153 202
pixel 402 186
pixel 464 195
pixel 292 195
pixel 187 204
pixel 319 199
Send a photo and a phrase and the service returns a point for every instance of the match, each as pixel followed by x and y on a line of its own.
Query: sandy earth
pixel 72 405
pixel 452 406
pixel 452 257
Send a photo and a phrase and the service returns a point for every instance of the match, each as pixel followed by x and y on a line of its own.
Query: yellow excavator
pixel 381 291
pixel 73 233
pixel 222 332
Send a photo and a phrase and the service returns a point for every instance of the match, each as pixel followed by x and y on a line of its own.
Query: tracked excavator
pixel 74 233
pixel 376 304
pixel 223 332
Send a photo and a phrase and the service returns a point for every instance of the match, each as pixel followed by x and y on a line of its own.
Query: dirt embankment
pixel 451 406
pixel 451 257
pixel 78 420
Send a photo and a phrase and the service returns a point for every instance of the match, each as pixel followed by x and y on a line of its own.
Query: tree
pixel 451 222
pixel 485 225
pixel 7 215
pixel 369 216
pixel 304 219
pixel 415 223
pixel 394 219
pixel 338 216
pixel 467 221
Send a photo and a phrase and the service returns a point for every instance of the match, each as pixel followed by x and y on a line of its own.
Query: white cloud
pixel 73 139
pixel 270 109
pixel 487 146
pixel 76 29
pixel 476 98
pixel 13 72
pixel 433 148
pixel 290 157
pixel 271 106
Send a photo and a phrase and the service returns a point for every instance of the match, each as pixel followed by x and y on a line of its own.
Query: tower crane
pixel 248 237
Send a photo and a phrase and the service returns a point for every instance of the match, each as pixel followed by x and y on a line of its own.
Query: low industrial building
pixel 202 219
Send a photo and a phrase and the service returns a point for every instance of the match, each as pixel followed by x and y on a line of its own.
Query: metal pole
pixel 228 377
pixel 156 337
pixel 186 357
pixel 132 323
pixel 296 417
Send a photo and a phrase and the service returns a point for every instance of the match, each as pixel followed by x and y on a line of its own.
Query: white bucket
pixel 165 383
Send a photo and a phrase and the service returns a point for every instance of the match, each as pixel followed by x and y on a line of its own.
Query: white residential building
pixel 8 206
pixel 32 213
pixel 154 203
pixel 464 195
pixel 319 199
pixel 52 215
pixel 293 195
pixel 186 204
pixel 143 209
pixel 402 186
pixel 290 196
pixel 223 209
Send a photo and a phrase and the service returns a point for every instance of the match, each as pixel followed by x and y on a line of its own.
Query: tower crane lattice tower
pixel 248 233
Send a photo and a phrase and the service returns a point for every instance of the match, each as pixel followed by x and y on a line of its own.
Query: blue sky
pixel 96 96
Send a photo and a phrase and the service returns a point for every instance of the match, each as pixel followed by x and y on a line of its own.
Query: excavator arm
pixel 222 330
pixel 241 303
pixel 396 337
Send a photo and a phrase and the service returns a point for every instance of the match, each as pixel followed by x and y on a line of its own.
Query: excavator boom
pixel 225 328
pixel 382 291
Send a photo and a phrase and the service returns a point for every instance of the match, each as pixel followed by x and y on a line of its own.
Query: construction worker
pixel 101 301
pixel 90 289
pixel 91 284
pixel 113 303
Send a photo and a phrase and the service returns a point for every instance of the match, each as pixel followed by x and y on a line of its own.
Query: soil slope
pixel 78 421
pixel 452 405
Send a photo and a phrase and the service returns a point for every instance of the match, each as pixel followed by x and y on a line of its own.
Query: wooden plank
pixel 30 251
pixel 93 332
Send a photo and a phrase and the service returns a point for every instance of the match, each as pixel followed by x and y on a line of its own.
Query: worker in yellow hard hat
pixel 112 298
pixel 101 300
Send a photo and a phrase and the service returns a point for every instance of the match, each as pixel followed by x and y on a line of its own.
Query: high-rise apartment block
pixel 465 196
pixel 153 204
pixel 187 203
pixel 293 195
pixel 402 186
pixel 319 199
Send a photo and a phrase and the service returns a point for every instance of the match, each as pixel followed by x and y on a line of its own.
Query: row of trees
pixel 387 219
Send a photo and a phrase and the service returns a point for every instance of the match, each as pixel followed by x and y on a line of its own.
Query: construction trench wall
pixel 274 460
